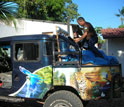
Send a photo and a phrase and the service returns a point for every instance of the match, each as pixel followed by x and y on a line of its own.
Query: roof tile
pixel 113 33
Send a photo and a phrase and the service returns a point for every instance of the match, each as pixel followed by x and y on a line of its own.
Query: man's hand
pixel 77 40
pixel 81 38
pixel 75 35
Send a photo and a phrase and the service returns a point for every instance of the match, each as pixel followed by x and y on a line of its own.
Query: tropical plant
pixel 121 14
pixel 121 26
pixel 8 11
pixel 71 10
pixel 54 10
pixel 100 38
pixel 98 30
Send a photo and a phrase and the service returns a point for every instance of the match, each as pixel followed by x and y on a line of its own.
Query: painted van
pixel 32 67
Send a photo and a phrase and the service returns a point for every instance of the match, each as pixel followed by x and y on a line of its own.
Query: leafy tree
pixel 98 31
pixel 121 14
pixel 8 12
pixel 71 10
pixel 32 9
pixel 55 10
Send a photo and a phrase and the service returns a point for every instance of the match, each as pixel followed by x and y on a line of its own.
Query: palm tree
pixel 8 11
pixel 121 14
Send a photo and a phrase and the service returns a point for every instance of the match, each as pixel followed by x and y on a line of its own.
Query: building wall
pixel 6 30
pixel 116 48
pixel 25 27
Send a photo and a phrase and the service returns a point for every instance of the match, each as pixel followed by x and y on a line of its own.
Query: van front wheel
pixel 63 99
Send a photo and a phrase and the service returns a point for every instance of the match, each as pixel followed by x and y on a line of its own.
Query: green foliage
pixel 121 26
pixel 8 12
pixel 55 10
pixel 121 14
pixel 32 9
pixel 98 31
pixel 71 10
pixel 100 40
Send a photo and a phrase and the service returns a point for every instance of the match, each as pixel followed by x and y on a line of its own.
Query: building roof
pixel 113 33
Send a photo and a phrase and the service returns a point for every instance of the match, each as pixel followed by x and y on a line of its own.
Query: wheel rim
pixel 61 103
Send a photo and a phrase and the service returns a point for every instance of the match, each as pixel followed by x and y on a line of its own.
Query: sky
pixel 100 13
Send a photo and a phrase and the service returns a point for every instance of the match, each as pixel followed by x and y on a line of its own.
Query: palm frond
pixel 117 15
pixel 8 12
pixel 119 11
pixel 122 11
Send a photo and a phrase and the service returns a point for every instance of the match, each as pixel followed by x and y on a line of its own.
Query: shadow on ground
pixel 118 102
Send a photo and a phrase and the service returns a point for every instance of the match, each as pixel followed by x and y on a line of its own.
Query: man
pixel 89 37
pixel 77 31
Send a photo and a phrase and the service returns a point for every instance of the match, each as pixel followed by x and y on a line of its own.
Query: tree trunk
pixel 122 20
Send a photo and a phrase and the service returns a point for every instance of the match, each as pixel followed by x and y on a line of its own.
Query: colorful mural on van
pixel 37 83
pixel 91 82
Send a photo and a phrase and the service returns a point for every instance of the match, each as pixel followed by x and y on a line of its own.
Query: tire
pixel 63 99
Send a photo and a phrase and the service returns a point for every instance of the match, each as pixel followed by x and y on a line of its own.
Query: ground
pixel 118 102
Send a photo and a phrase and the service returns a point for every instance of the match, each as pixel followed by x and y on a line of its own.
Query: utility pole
pixel 68 25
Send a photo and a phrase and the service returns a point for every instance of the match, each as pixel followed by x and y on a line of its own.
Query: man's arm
pixel 81 38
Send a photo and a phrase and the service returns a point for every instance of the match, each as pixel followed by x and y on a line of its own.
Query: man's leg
pixel 91 46
pixel 83 44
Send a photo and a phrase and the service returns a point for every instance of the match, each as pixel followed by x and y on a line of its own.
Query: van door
pixel 26 54
pixel 32 73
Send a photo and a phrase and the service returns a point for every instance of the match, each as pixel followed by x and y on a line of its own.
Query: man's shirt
pixel 90 30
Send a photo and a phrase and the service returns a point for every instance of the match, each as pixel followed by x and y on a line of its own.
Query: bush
pixel 121 26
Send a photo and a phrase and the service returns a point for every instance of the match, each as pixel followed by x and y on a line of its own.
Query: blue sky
pixel 100 13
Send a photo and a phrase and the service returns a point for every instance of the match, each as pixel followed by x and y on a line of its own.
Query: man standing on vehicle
pixel 89 37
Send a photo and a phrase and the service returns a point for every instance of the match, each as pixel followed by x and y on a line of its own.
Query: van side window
pixel 26 51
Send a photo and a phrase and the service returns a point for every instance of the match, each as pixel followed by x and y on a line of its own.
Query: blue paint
pixel 33 81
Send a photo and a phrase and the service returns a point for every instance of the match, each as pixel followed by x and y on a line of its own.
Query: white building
pixel 115 44
pixel 26 26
